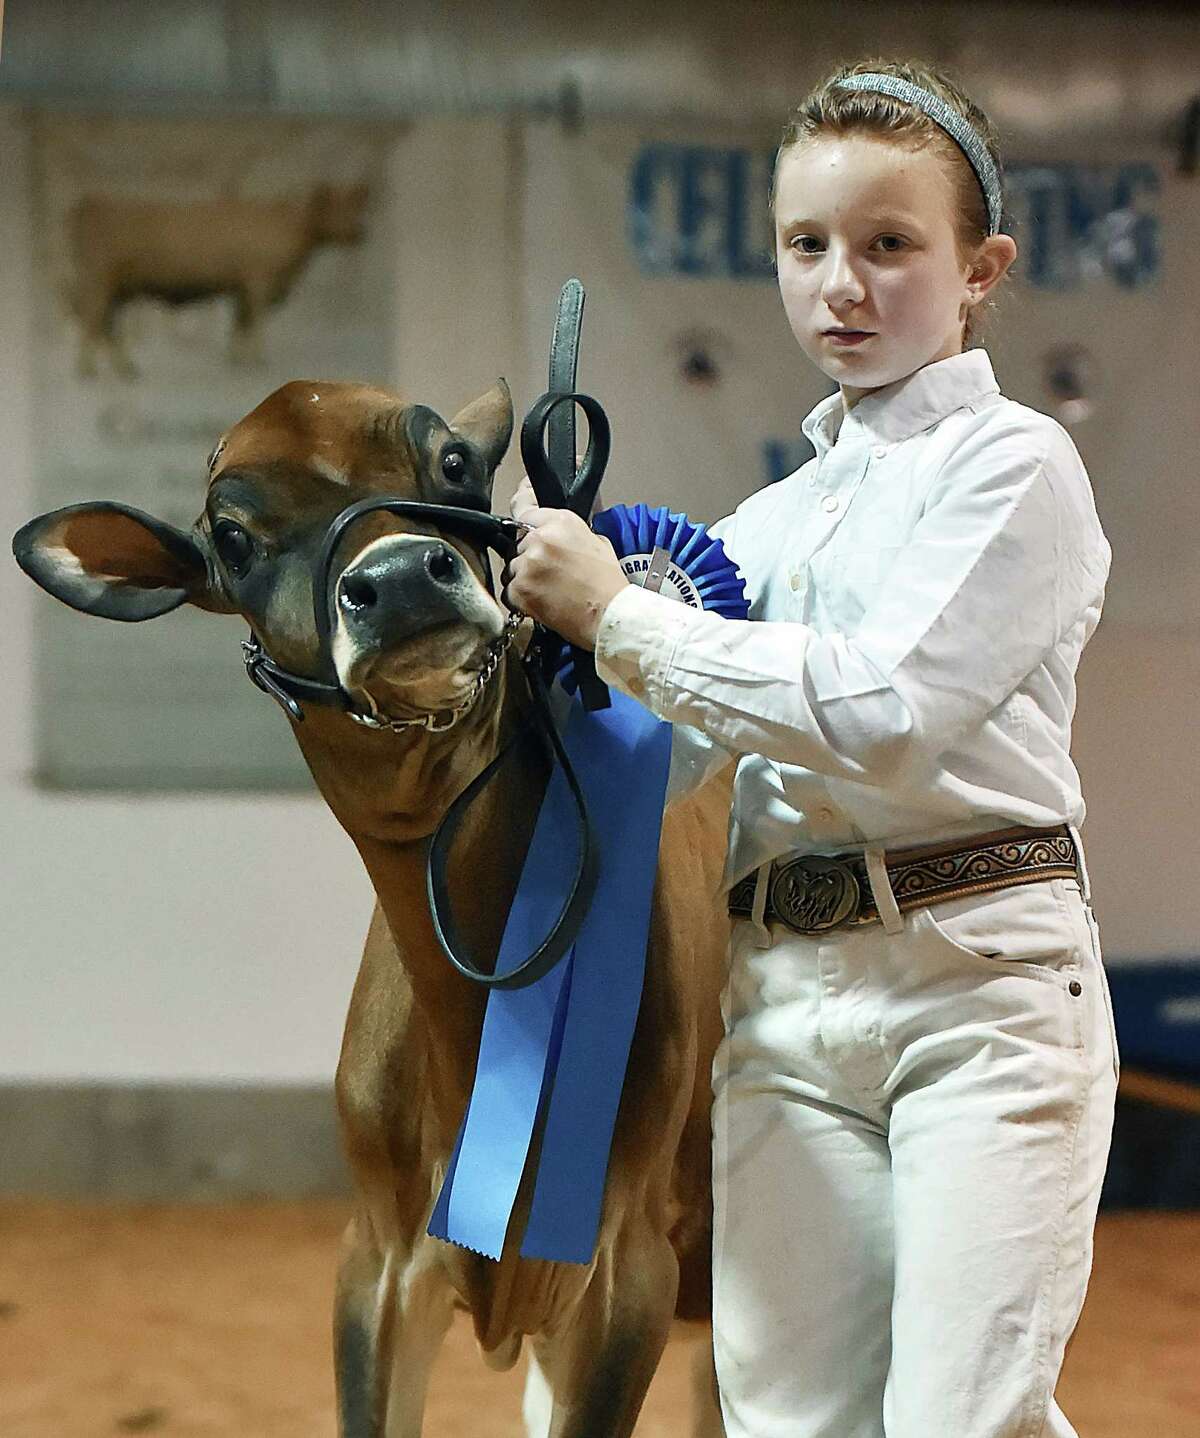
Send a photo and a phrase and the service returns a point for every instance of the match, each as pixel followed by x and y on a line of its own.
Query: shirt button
pixel 879 451
pixel 829 503
pixel 795 581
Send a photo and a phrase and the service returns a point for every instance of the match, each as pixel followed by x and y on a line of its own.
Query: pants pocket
pixel 1025 929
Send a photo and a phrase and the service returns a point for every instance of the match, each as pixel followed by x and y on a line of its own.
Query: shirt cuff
pixel 635 643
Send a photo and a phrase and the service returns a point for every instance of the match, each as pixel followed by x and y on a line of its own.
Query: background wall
pixel 214 939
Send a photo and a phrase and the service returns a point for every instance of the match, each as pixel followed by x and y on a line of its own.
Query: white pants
pixel 910 1134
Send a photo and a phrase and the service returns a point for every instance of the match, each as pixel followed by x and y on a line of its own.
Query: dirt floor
pixel 213 1322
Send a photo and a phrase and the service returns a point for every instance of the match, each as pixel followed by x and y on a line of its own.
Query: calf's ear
pixel 488 423
pixel 113 561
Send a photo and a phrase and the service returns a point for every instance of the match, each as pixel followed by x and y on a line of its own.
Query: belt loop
pixel 881 889
pixel 758 906
pixel 1081 865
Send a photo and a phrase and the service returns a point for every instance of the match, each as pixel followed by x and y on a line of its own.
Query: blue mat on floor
pixel 1155 1160
pixel 1157 1008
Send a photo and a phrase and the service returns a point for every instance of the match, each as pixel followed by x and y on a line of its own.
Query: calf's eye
pixel 454 466
pixel 234 546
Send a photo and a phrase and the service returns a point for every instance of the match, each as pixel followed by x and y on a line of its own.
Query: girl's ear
pixel 995 256
pixel 118 563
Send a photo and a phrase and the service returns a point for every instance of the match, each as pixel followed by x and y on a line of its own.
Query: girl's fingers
pixel 523 499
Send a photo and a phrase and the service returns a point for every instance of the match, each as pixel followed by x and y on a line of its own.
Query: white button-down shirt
pixel 920 592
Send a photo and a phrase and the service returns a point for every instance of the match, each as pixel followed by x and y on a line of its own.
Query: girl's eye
pixel 892 249
pixel 799 242
pixel 234 545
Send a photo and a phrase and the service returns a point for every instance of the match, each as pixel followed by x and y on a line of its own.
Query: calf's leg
pixel 537 1403
pixel 599 1365
pixel 363 1325
pixel 388 1326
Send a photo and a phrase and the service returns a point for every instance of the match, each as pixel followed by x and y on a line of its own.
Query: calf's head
pixel 411 614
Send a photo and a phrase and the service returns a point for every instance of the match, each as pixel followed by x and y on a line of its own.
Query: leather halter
pixel 483 531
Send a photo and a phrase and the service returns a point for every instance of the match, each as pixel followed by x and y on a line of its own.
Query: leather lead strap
pixel 564 364
pixel 548 452
pixel 560 450
pixel 565 928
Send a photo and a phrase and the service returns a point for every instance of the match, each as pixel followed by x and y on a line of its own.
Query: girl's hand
pixel 563 574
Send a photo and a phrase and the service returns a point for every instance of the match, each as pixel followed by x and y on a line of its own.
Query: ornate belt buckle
pixel 811 894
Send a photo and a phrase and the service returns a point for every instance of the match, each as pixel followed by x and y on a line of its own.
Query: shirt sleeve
pixel 696 756
pixel 971 605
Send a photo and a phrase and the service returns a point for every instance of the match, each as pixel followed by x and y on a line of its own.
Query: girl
pixel 914 1095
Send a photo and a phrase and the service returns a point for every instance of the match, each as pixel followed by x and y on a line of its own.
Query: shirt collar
pixel 906 407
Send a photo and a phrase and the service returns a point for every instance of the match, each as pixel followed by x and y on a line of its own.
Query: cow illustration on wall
pixel 250 250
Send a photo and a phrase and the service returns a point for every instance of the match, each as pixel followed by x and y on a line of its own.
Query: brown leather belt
pixel 813 893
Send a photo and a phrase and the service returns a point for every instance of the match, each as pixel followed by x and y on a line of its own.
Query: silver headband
pixel 961 131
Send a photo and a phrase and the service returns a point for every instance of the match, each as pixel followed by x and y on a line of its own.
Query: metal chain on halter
pixel 440 720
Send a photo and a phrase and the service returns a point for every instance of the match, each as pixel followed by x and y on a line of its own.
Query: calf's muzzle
pixel 400 587
pixel 483 531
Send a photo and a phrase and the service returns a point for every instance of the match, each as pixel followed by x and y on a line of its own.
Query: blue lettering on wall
pixel 702 211
pixel 1078 224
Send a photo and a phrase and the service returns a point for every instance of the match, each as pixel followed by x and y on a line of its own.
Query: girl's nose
pixel 841 284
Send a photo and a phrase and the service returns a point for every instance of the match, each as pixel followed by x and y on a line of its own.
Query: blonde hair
pixel 830 110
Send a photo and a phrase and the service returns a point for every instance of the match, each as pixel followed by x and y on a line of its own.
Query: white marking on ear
pixel 65 560
pixel 326 470
pixel 70 563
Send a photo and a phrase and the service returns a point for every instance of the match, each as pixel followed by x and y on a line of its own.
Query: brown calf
pixel 408 1057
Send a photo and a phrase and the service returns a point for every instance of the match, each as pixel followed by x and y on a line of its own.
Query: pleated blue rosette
pixel 700 575
pixel 557 1050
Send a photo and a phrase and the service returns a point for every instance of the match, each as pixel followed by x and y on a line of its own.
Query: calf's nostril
pixel 358 592
pixel 440 564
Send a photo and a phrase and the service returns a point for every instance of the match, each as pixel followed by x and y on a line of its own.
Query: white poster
pixel 186 269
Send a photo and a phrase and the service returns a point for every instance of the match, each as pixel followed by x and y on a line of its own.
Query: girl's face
pixel 864 240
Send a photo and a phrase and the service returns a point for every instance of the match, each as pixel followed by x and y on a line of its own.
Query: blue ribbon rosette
pixel 556 1051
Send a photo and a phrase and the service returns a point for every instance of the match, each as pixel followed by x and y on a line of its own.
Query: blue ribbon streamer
pixel 563 1042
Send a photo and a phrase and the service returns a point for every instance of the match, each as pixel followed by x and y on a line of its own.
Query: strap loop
pixel 565 928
